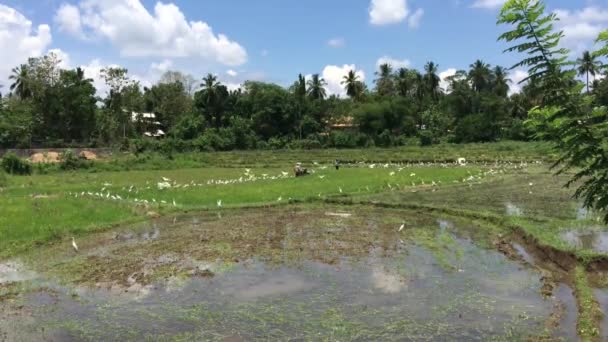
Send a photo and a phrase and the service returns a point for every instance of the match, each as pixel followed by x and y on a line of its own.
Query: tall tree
pixel 500 81
pixel 384 81
pixel 352 84
pixel 316 87
pixel 299 87
pixel 480 75
pixel 432 80
pixel 211 100
pixel 21 82
pixel 588 65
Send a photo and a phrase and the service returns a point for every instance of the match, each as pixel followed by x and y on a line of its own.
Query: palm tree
pixel 213 96
pixel 432 79
pixel 404 82
pixel 316 87
pixel 352 84
pixel 384 82
pixel 20 78
pixel 500 81
pixel 480 75
pixel 299 87
pixel 588 65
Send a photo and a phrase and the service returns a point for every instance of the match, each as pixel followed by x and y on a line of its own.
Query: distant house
pixel 342 124
pixel 147 123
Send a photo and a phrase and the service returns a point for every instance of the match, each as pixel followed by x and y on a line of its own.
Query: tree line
pixel 47 106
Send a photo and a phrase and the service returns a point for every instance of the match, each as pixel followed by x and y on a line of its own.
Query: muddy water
pixel 422 285
pixel 592 239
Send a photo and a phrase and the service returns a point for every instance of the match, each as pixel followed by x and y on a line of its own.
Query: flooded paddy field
pixel 287 273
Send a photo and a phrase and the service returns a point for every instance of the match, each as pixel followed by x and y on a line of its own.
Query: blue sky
pixel 273 40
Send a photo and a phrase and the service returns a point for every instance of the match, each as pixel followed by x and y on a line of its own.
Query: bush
pixel 427 138
pixel 69 161
pixel 348 139
pixel 475 128
pixel 305 144
pixel 16 166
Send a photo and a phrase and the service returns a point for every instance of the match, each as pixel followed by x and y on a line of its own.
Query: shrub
pixel 427 138
pixel 16 166
pixel 304 144
pixel 69 161
pixel 348 139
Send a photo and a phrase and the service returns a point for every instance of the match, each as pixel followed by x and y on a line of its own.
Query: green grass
pixel 590 313
pixel 501 151
pixel 42 208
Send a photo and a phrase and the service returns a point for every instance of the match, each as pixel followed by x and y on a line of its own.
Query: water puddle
pixel 14 271
pixel 513 210
pixel 523 253
pixel 567 312
pixel 311 277
pixel 595 240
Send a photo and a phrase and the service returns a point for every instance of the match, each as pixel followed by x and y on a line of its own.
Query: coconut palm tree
pixel 480 75
pixel 352 85
pixel 316 87
pixel 404 82
pixel 431 78
pixel 500 81
pixel 384 82
pixel 588 66
pixel 21 82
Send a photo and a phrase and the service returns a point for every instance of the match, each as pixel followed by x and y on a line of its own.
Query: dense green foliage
pixel 51 107
pixel 15 166
pixel 574 120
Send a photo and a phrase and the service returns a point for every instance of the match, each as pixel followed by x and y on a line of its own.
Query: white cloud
pixel 395 63
pixel 64 58
pixel 336 42
pixel 414 20
pixel 232 73
pixel 517 76
pixel 384 12
pixel 581 27
pixel 444 83
pixel 68 20
pixel 136 32
pixel 93 71
pixel 19 41
pixel 334 75
pixel 488 4
pixel 161 67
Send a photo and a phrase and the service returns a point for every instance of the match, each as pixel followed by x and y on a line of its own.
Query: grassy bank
pixel 502 151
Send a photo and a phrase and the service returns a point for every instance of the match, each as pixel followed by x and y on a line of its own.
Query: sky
pixel 272 40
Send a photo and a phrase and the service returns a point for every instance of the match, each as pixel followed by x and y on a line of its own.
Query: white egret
pixel 402 226
pixel 219 203
pixel 412 175
pixel 392 173
pixel 174 204
pixel 321 177
pixel 280 199
pixel 339 188
pixel 74 245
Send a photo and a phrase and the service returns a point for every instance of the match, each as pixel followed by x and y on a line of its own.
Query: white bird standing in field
pixel 219 203
pixel 402 226
pixel 74 245
pixel 340 189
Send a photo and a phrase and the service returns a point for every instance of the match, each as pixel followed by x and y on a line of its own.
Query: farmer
pixel 299 171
